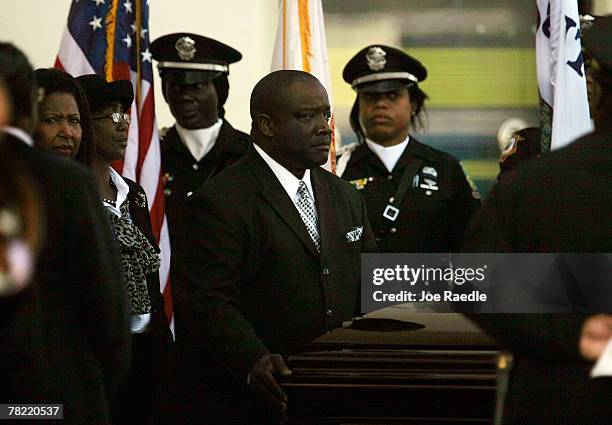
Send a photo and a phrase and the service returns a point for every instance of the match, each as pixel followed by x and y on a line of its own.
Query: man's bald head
pixel 274 91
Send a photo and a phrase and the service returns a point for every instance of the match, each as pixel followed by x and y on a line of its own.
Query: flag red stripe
pixel 157 210
pixel 146 115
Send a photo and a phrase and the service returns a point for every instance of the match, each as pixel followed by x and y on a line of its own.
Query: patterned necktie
pixel 307 212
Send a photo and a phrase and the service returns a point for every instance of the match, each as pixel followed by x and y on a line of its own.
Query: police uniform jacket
pixel 429 220
pixel 249 281
pixel 183 175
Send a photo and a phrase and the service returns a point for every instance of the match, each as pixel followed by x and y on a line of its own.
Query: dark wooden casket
pixel 396 367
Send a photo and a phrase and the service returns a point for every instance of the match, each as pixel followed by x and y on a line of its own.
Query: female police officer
pixel 418 198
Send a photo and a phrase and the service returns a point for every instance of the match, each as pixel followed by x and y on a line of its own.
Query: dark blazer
pixel 83 335
pixel 183 175
pixel 248 280
pixel 150 349
pixel 429 220
pixel 558 203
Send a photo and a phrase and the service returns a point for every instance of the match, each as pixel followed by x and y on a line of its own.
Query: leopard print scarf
pixel 138 258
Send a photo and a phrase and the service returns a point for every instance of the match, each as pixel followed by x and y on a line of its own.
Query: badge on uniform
pixel 354 235
pixel 429 182
pixel 375 58
pixel 361 183
pixel 185 47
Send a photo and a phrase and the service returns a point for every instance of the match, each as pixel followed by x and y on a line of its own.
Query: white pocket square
pixel 354 235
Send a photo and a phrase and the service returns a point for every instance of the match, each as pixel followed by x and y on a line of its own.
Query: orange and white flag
pixel 301 45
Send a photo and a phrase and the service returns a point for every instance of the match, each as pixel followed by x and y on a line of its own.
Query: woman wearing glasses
pixel 64 124
pixel 126 204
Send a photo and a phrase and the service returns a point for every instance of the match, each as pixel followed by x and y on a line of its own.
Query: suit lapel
pixel 276 195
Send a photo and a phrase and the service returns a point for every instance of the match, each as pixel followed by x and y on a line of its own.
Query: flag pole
pixel 137 55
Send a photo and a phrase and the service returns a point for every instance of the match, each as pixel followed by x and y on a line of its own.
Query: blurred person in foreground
pixel 559 203
pixel 81 318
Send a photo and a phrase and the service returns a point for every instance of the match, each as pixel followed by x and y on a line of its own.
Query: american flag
pixel 111 38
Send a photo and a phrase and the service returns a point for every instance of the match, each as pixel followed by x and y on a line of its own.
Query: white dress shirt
pixel 289 182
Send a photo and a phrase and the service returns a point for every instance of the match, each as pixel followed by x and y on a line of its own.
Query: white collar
pixel 289 182
pixel 20 134
pixel 200 140
pixel 122 192
pixel 389 155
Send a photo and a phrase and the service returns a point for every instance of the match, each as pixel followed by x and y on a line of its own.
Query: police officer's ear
pixel 265 125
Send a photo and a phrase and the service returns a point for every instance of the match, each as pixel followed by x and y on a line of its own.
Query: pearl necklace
pixel 108 201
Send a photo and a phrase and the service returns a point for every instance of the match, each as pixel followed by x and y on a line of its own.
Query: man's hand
pixel 596 333
pixel 263 382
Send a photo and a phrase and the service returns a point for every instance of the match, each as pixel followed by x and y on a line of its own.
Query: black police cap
pixel 190 58
pixel 379 68
pixel 100 93
pixel 598 41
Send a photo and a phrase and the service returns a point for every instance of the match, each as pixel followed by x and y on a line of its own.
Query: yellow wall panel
pixel 461 77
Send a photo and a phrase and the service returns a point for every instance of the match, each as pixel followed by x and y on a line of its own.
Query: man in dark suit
pixel 558 203
pixel 270 257
pixel 194 71
pixel 78 305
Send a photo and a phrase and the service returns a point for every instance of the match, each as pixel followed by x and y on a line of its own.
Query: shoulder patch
pixel 475 192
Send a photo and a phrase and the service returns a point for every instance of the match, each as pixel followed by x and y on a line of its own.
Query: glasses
pixel 117 117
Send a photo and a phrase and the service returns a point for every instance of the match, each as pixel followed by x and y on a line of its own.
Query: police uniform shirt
pixel 435 211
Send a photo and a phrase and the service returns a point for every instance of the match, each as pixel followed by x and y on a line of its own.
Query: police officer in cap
pixel 202 143
pixel 419 198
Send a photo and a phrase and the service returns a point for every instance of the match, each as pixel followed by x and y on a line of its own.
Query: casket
pixel 396 367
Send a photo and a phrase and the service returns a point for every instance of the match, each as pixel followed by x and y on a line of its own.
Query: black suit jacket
pixel 248 279
pixel 429 220
pixel 78 302
pixel 559 203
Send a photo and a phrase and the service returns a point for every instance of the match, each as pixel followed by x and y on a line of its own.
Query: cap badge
pixel 185 48
pixel 376 58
